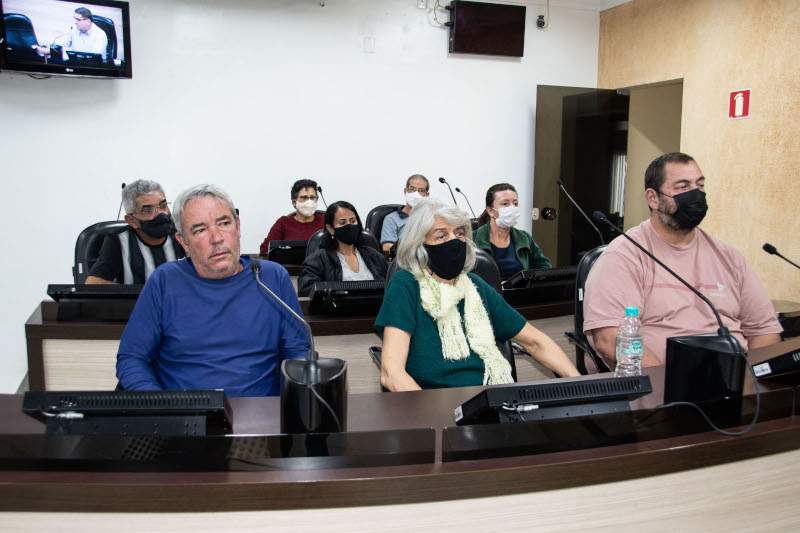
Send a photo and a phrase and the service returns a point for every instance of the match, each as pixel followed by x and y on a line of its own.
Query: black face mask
pixel 690 208
pixel 158 227
pixel 447 260
pixel 347 234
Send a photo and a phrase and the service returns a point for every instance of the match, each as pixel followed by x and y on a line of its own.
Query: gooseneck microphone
pixel 467 199
pixel 255 266
pixel 571 199
pixel 120 205
pixel 442 180
pixel 600 217
pixel 319 189
pixel 313 390
pixel 774 251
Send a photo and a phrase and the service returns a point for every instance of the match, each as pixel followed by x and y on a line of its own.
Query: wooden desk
pixel 56 345
pixel 302 489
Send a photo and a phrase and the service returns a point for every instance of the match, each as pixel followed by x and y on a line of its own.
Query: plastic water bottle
pixel 630 345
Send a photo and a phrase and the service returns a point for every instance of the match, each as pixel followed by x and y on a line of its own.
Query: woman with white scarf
pixel 440 323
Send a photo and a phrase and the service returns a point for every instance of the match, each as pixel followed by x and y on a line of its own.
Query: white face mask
pixel 413 198
pixel 508 216
pixel 307 208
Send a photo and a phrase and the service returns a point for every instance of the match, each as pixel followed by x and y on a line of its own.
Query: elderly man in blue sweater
pixel 202 322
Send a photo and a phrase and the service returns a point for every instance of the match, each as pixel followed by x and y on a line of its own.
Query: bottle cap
pixel 631 311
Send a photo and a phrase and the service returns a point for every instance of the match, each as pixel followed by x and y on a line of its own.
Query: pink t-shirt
pixel 624 276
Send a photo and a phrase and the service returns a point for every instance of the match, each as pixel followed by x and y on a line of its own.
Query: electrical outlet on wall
pixel 422 4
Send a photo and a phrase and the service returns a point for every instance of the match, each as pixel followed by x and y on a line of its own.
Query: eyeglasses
pixel 412 190
pixel 305 198
pixel 149 210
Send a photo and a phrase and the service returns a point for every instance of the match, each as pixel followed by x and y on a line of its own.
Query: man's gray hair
pixel 199 191
pixel 411 253
pixel 134 190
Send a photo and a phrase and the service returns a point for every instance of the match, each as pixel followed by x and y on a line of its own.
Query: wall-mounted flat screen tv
pixel 492 29
pixel 66 37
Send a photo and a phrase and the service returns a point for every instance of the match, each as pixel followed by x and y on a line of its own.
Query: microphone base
pixel 301 410
pixel 702 368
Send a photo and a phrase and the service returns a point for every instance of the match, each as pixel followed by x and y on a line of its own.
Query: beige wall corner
pixel 716 47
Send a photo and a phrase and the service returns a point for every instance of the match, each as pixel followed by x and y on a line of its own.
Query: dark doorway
pixel 586 148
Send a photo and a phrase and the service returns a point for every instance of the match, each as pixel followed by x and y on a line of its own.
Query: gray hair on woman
pixel 199 191
pixel 134 190
pixel 411 253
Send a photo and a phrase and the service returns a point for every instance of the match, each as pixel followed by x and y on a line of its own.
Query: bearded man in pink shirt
pixel 624 276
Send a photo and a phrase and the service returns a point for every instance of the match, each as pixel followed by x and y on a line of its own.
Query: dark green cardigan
pixel 528 252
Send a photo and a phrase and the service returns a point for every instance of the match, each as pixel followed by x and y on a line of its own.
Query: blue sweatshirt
pixel 188 332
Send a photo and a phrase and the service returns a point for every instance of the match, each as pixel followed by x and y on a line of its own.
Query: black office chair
pixel 577 337
pixel 21 37
pixel 107 25
pixel 87 247
pixel 487 270
pixel 374 222
pixel 318 239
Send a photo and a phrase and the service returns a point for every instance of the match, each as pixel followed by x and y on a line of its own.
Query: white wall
pixel 253 94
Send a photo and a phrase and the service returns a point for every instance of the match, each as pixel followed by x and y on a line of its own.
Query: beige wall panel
pixel 79 364
pixel 717 46
pixel 654 128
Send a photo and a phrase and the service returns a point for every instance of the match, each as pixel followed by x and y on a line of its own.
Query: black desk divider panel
pixel 346 297
pixel 488 441
pixel 170 413
pixel 541 285
pixel 218 453
pixel 287 252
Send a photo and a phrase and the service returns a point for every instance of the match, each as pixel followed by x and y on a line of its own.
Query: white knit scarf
pixel 440 301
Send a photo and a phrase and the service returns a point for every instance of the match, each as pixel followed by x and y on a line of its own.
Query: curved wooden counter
pixel 298 489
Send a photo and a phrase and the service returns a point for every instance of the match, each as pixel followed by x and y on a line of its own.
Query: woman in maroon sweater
pixel 304 222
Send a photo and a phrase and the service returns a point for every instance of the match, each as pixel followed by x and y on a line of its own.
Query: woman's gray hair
pixel 134 190
pixel 199 191
pixel 411 253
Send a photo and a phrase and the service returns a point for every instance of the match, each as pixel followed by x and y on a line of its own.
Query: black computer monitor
pixel 166 413
pixel 551 399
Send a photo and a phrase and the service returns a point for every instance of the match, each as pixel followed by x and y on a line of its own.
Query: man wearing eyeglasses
pixel 83 36
pixel 304 222
pixel 132 255
pixel 417 188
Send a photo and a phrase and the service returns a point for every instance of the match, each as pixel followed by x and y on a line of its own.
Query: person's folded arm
pixel 545 351
pixel 294 342
pixel 311 271
pixel 94 280
pixel 605 343
pixel 393 361
pixel 141 340
pixel 135 372
pixel 388 233
pixel 759 341
pixel 276 233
